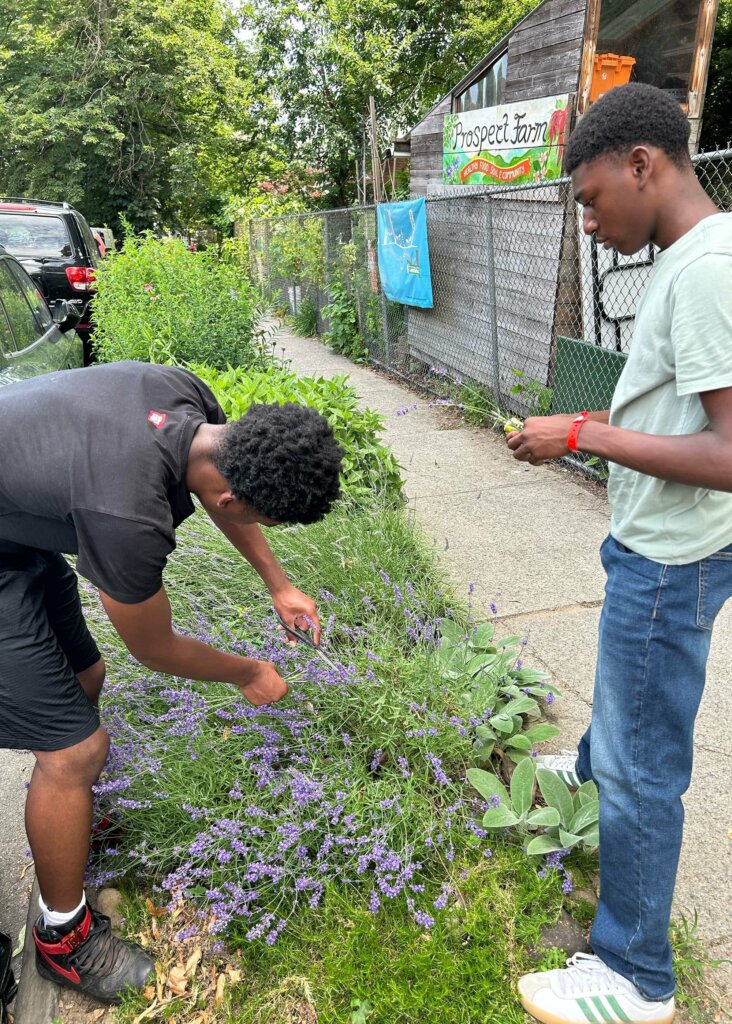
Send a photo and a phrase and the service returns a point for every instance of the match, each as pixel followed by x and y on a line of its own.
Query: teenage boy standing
pixel 668 558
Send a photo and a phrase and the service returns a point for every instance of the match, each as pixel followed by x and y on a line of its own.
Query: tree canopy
pixel 177 113
pixel 149 107
pixel 322 59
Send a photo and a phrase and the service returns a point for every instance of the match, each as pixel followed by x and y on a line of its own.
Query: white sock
pixel 56 919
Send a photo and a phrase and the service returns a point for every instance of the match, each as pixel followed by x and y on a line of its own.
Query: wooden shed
pixel 500 307
pixel 553 51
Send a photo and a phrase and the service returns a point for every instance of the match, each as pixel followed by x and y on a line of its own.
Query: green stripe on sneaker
pixel 583 1005
pixel 604 1013
pixel 617 1008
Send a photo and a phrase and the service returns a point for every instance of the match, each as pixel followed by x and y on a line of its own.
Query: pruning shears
pixel 305 637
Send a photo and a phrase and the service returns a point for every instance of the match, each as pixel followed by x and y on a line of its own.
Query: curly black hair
pixel 627 116
pixel 283 460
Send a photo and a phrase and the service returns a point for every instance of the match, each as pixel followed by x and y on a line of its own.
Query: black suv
pixel 55 245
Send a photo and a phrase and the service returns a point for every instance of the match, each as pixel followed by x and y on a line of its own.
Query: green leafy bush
pixel 158 302
pixel 343 336
pixel 369 468
pixel 490 675
pixel 296 250
pixel 305 321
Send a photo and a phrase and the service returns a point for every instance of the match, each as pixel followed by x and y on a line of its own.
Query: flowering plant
pixel 355 780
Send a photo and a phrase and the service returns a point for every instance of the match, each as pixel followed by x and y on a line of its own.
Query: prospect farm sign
pixel 512 144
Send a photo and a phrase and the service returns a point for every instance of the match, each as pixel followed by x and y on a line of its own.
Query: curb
pixel 37 998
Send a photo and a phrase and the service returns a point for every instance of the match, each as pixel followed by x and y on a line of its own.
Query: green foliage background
pixel 370 471
pixel 158 302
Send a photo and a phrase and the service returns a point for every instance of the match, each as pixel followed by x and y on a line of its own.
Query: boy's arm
pixel 699 460
pixel 146 629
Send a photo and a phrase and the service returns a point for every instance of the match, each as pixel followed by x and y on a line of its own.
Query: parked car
pixel 33 340
pixel 55 245
pixel 107 238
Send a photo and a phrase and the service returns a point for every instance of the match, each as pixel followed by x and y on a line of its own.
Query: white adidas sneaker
pixel 586 990
pixel 564 765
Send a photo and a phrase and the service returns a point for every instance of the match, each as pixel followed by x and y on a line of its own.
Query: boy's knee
pixel 82 763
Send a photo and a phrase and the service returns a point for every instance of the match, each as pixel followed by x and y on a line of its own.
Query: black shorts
pixel 44 641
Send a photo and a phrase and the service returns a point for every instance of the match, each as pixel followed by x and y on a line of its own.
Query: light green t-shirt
pixel 682 345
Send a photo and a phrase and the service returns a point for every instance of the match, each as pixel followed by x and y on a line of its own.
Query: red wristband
pixel 574 430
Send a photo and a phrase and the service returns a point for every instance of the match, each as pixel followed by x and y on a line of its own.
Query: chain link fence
pixel 530 314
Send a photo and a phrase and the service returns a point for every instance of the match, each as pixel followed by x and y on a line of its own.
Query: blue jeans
pixel 655 632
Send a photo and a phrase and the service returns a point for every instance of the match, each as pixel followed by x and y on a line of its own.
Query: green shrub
pixel 369 468
pixel 343 336
pixel 158 302
pixel 296 250
pixel 305 321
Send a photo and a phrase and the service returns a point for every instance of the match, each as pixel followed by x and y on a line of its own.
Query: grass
pixel 463 969
pixel 697 997
pixel 342 964
pixel 379 590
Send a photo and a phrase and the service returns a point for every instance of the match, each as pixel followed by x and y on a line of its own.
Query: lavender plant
pixel 355 780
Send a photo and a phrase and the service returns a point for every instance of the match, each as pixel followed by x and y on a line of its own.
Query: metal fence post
pixel 267 259
pixel 492 300
pixel 384 307
pixel 253 255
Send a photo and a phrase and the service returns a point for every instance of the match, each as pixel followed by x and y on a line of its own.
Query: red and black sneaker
pixel 90 959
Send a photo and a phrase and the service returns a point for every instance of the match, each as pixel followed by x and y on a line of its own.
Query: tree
pixel 324 58
pixel 717 116
pixel 148 107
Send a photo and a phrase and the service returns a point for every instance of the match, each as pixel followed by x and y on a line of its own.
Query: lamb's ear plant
pixel 489 675
pixel 567 820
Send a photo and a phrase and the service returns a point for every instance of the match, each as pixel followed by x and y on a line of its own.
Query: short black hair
pixel 627 116
pixel 283 460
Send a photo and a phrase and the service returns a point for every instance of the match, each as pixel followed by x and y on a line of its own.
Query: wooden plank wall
pixel 425 164
pixel 455 335
pixel 545 51
pixel 544 58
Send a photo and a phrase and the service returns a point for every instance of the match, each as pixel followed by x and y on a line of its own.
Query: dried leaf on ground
pixel 153 910
pixel 177 980
pixel 193 961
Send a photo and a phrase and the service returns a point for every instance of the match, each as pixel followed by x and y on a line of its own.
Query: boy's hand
pixel 265 685
pixel 543 437
pixel 297 609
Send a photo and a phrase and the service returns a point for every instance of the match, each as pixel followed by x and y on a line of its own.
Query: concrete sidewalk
pixel 529 538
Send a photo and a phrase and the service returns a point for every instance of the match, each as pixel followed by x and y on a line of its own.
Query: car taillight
pixel 81 279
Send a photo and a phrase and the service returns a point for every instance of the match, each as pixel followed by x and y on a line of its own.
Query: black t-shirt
pixel 93 463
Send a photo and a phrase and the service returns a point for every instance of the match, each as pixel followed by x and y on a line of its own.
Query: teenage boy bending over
pixel 668 558
pixel 102 463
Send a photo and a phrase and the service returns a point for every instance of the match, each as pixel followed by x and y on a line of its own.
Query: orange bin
pixel 609 70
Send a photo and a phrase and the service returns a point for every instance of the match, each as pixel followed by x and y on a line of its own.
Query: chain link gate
pixel 529 315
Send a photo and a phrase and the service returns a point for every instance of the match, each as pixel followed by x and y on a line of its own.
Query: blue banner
pixel 404 259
